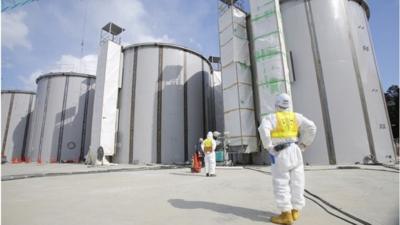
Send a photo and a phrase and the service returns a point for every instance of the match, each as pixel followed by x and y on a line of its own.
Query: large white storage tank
pixel 16 109
pixel 336 82
pixel 164 103
pixel 61 121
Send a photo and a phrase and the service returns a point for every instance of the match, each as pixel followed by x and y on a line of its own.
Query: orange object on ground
pixel 196 163
pixel 17 160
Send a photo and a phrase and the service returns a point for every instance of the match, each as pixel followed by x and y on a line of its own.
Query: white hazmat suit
pixel 209 155
pixel 285 126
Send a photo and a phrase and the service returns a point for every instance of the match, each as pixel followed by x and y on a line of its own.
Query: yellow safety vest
pixel 207 145
pixel 286 125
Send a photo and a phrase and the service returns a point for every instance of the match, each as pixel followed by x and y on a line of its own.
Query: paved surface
pixel 176 196
pixel 29 170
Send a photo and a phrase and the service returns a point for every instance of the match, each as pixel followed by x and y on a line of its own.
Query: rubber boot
pixel 295 214
pixel 285 218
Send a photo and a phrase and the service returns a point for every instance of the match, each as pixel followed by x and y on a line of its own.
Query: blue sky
pixel 384 25
pixel 45 35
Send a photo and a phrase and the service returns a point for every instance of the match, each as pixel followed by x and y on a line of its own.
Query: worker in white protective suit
pixel 208 146
pixel 285 134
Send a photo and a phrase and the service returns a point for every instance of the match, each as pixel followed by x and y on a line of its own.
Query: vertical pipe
pixel 39 159
pixel 7 124
pixel 84 122
pixel 185 107
pixel 292 66
pixel 28 117
pixel 205 127
pixel 159 102
pixel 61 132
pixel 132 116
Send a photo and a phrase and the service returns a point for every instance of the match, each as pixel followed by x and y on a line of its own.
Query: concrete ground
pixel 124 194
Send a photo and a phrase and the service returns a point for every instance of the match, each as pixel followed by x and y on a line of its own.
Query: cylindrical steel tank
pixel 61 121
pixel 16 109
pixel 335 80
pixel 165 103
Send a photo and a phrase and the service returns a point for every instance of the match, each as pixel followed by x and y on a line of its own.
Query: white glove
pixel 302 147
pixel 272 151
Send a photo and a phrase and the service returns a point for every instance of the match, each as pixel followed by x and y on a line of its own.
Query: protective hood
pixel 209 134
pixel 282 101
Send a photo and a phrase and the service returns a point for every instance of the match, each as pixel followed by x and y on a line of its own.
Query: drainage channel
pixel 38 175
pixel 326 206
pixel 389 168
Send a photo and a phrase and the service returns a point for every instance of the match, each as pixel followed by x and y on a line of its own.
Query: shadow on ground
pixel 251 214
pixel 189 174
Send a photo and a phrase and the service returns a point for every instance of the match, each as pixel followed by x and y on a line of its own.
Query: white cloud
pixel 143 21
pixel 29 82
pixel 69 63
pixel 150 38
pixel 6 63
pixel 14 30
pixel 193 42
pixel 66 63
pixel 128 14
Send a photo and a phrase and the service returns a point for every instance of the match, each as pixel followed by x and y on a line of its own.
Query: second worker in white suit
pixel 208 146
pixel 285 134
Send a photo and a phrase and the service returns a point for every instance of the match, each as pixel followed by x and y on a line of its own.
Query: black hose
pixel 320 205
pixel 337 209
pixel 260 171
pixel 325 202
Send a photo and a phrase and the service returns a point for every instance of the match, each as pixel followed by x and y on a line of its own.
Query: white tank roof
pixel 55 74
pixel 169 45
pixel 18 91
pixel 363 3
